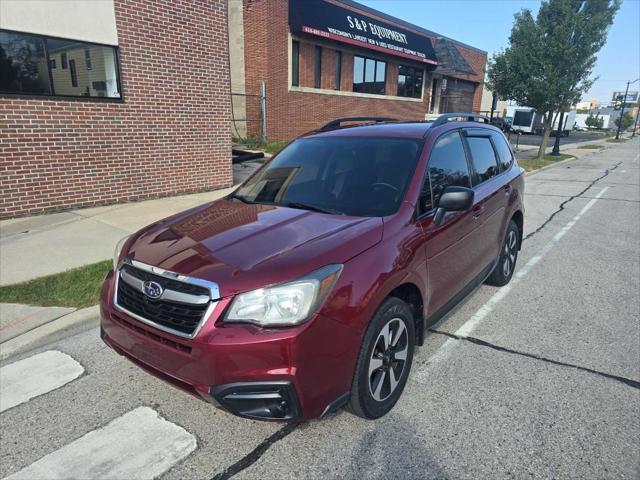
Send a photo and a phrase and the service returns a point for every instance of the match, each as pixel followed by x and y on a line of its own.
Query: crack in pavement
pixel 253 456
pixel 572 197
pixel 627 381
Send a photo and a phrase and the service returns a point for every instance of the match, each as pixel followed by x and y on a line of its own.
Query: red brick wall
pixel 170 135
pixel 291 113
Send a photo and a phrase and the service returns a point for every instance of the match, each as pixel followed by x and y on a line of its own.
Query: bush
pixel 624 121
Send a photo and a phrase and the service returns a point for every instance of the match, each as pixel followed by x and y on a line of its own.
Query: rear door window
pixel 447 166
pixel 505 157
pixel 483 157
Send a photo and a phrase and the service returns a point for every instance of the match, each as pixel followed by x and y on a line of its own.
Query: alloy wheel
pixel 510 252
pixel 388 359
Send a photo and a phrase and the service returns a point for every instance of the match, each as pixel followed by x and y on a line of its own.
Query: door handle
pixel 477 210
pixel 507 189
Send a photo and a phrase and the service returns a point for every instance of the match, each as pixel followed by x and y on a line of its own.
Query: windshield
pixel 360 176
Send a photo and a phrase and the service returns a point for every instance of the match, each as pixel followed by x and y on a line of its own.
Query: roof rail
pixel 470 117
pixel 338 121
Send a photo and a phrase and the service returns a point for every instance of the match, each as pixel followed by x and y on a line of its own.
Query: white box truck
pixel 527 120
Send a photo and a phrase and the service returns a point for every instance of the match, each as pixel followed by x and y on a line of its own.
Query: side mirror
pixel 453 199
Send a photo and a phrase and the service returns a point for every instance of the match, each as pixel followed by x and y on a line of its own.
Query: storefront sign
pixel 317 17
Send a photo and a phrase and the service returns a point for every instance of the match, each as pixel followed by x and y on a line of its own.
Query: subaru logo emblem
pixel 152 289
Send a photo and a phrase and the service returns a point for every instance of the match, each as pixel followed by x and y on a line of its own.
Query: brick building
pixel 106 101
pixel 324 59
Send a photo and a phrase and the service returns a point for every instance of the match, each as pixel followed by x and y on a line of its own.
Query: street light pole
pixel 624 103
pixel 556 144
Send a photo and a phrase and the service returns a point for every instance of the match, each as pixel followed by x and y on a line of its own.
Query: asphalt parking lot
pixel 539 379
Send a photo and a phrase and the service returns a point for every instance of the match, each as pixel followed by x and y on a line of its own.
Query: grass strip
pixel 79 287
pixel 589 147
pixel 530 164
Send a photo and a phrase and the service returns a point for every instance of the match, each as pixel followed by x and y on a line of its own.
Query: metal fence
pixel 249 114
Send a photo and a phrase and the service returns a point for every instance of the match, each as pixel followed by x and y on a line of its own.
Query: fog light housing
pixel 260 400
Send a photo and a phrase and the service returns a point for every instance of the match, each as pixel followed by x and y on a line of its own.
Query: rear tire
pixel 506 265
pixel 384 360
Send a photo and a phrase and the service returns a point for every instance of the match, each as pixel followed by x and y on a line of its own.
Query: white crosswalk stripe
pixel 25 379
pixel 138 445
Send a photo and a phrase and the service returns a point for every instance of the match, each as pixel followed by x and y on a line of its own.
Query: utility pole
pixel 624 104
pixel 556 144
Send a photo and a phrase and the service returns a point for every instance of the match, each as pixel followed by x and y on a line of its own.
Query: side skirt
pixel 450 307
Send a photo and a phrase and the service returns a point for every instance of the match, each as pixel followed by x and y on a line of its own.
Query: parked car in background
pixel 503 123
pixel 309 287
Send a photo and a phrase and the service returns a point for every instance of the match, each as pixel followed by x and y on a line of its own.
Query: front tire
pixel 384 360
pixel 506 265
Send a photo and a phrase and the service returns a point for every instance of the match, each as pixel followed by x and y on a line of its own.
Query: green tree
pixel 624 121
pixel 550 57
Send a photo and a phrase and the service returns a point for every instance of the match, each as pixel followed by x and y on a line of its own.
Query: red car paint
pixel 242 247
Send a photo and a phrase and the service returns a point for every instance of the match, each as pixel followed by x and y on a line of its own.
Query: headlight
pixel 286 304
pixel 118 251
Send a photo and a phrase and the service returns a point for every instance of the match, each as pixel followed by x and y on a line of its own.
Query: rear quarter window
pixel 483 158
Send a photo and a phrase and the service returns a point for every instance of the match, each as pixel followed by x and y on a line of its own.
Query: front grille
pixel 167 283
pixel 180 317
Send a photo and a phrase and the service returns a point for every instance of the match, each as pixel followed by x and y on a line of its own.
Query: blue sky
pixel 486 24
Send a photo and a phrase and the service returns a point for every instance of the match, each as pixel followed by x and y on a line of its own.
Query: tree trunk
pixel 548 123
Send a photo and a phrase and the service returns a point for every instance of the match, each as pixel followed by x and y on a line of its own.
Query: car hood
pixel 246 246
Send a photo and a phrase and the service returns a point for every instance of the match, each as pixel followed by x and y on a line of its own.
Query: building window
pixel 295 63
pixel 24 59
pixel 338 69
pixel 410 81
pixel 369 76
pixel 87 58
pixel 317 69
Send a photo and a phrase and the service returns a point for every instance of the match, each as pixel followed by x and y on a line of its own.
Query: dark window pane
pixel 447 166
pixel 52 63
pixel 23 64
pixel 344 174
pixel 63 60
pixel 87 58
pixel 483 158
pixel 318 68
pixel 338 69
pixel 402 85
pixel 412 82
pixel 100 80
pixel 504 152
pixel 73 72
pixel 295 63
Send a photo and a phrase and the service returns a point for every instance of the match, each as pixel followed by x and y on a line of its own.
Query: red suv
pixel 309 287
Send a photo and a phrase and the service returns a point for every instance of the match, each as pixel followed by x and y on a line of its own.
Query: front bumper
pixel 270 374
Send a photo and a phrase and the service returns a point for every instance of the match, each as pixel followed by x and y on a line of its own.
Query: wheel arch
pixel 518 218
pixel 410 293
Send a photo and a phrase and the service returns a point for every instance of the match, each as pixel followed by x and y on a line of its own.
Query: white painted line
pixel 34 376
pixel 635 160
pixel 470 325
pixel 138 445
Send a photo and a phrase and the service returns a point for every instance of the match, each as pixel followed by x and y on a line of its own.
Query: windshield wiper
pixel 306 206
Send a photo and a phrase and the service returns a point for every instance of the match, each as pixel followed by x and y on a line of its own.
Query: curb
pixel 62 327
